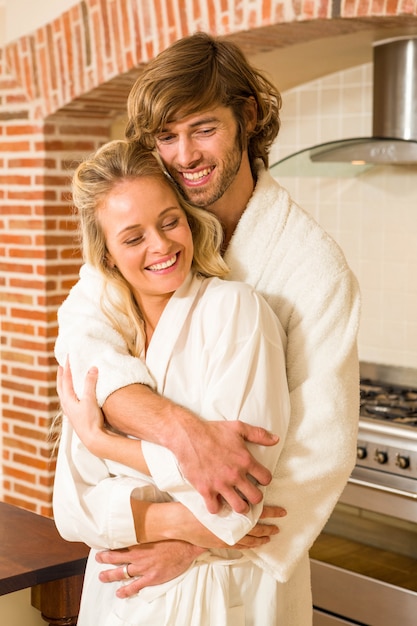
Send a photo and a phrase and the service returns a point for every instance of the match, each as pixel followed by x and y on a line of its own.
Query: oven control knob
pixel 362 452
pixel 402 461
pixel 381 456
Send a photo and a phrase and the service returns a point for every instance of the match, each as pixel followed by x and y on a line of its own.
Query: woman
pixel 209 345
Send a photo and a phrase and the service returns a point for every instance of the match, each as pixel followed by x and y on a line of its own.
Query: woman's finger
pixel 90 382
pixel 68 392
pixel 65 384
pixel 272 511
pixel 263 530
pixel 251 542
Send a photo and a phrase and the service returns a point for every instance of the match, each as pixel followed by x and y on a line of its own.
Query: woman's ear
pixel 108 260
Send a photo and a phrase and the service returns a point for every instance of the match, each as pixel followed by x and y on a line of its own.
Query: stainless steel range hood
pixel 394 133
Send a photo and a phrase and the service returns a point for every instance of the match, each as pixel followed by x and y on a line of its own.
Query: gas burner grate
pixel 388 402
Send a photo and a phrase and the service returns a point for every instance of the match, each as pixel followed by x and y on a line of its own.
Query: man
pixel 212 119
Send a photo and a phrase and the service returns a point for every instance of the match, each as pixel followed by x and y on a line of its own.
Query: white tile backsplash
pixel 372 216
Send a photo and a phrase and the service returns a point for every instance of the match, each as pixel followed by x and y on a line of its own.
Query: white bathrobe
pixel 219 349
pixel 282 252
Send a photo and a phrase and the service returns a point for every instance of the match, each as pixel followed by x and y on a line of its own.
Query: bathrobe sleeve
pixel 320 449
pixel 242 376
pixel 88 338
pixel 91 499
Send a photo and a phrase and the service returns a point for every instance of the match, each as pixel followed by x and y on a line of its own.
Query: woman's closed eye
pixel 133 241
pixel 172 223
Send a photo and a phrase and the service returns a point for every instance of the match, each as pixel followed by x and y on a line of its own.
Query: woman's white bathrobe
pixel 282 252
pixel 220 350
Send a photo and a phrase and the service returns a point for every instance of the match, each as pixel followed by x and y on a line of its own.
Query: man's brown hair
pixel 198 73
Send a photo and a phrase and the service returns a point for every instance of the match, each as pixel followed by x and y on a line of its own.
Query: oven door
pixel 364 564
pixel 345 597
pixel 393 496
pixel 324 619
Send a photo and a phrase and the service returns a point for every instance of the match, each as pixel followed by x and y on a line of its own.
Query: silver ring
pixel 126 571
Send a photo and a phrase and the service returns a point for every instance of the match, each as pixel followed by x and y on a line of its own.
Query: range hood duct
pixel 394 132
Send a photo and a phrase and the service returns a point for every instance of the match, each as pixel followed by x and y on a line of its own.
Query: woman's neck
pixel 151 311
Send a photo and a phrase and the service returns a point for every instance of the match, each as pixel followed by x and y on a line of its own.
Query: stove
pixel 364 565
pixel 384 479
pixel 387 440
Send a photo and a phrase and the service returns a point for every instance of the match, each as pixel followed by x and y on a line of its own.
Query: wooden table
pixel 33 554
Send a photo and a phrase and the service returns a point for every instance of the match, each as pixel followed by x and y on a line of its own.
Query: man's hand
pixel 214 458
pixel 213 455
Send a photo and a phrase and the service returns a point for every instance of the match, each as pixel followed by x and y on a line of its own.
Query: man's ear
pixel 251 111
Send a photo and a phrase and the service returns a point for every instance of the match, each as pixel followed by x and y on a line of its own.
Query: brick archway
pixel 105 42
pixel 61 87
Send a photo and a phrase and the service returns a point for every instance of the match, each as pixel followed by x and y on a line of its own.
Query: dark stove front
pixel 364 564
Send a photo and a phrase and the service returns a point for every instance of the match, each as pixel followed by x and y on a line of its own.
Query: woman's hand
pixel 262 532
pixel 87 419
pixel 85 415
pixel 259 535
pixel 149 564
pixel 155 563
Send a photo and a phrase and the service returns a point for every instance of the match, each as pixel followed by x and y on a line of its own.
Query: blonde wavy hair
pixel 93 180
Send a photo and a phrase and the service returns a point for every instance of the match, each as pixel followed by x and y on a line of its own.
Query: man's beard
pixel 207 195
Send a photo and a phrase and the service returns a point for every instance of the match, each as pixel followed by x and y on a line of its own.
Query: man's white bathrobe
pixel 302 273
pixel 219 349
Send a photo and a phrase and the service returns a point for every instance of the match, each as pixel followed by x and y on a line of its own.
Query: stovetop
pixel 387 402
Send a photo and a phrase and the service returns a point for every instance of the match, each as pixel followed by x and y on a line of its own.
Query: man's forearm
pixel 212 455
pixel 136 410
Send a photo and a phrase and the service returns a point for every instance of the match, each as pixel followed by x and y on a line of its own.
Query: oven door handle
pixel 384 488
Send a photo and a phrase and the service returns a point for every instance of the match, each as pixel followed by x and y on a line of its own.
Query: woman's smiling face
pixel 148 238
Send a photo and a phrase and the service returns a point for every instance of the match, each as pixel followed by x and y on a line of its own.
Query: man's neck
pixel 231 206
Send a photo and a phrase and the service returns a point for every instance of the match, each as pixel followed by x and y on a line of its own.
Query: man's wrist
pixel 138 411
pixel 180 425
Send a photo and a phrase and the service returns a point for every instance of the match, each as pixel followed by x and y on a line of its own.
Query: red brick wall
pixel 38 265
pixel 60 89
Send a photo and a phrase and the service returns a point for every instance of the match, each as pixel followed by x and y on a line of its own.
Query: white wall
pixel 373 216
pixel 20 17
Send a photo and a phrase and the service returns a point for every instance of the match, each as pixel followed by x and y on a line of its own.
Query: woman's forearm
pixel 162 521
pixel 107 445
pixel 154 521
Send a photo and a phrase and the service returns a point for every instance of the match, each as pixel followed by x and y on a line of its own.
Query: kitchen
pixel 372 216
pixel 378 510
